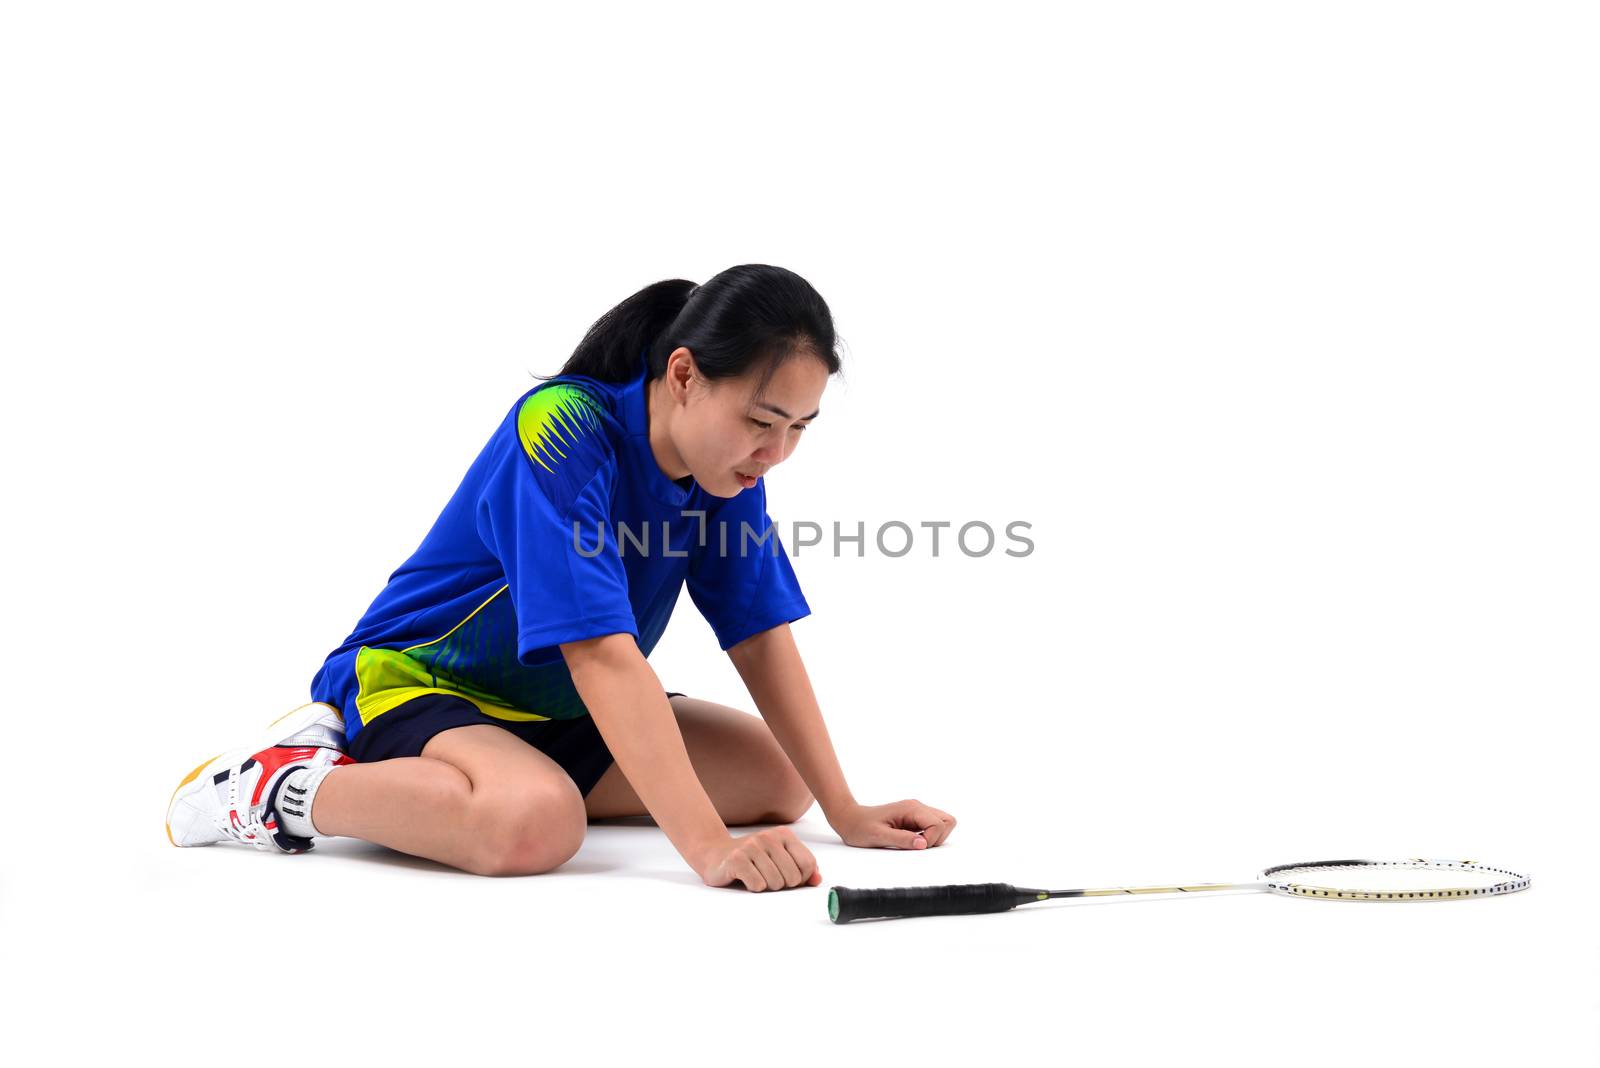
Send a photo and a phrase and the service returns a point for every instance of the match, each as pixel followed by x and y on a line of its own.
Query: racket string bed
pixel 1278 883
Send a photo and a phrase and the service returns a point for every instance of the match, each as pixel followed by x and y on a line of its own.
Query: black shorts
pixel 403 730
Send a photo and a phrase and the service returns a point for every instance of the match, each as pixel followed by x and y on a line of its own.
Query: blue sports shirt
pixel 564 528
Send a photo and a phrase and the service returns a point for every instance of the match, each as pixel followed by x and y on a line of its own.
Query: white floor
pixel 226 954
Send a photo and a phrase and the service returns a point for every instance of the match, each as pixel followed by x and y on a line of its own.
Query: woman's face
pixel 719 431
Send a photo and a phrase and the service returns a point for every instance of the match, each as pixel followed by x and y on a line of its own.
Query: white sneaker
pixel 226 798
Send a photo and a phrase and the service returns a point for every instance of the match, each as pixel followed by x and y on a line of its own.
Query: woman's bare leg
pixel 478 798
pixel 417 805
pixel 744 770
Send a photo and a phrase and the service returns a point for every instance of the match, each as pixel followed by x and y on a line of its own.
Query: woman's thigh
pixel 528 812
pixel 744 770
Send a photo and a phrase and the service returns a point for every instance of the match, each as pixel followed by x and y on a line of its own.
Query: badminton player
pixel 496 696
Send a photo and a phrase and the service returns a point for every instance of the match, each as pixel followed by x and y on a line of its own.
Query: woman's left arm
pixel 770 665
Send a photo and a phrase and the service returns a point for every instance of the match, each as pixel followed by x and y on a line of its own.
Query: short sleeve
pixel 542 509
pixel 740 578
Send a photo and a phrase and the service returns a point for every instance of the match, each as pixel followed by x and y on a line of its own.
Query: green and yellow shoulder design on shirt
pixel 563 434
pixel 556 416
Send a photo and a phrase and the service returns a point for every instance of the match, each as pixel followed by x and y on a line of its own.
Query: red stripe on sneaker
pixel 275 759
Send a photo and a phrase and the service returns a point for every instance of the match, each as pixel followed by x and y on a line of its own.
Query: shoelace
pixel 252 831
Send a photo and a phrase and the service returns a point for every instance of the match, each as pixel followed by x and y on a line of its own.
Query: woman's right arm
pixel 635 719
pixel 623 694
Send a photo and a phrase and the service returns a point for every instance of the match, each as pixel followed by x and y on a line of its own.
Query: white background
pixel 1276 322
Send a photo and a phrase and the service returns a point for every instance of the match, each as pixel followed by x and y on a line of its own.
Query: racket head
pixel 1413 879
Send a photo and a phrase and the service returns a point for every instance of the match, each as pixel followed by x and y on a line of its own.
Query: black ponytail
pixel 750 314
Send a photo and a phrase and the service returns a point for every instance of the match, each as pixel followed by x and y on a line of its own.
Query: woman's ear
pixel 681 374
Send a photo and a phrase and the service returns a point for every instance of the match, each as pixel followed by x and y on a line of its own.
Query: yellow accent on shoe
pixel 187 779
pixel 291 712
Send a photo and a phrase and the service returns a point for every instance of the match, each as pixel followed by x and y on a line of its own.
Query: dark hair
pixel 744 316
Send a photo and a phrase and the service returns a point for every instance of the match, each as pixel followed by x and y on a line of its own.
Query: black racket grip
pixel 846 904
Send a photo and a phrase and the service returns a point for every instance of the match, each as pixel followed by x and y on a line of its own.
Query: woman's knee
pixel 793 801
pixel 785 795
pixel 529 829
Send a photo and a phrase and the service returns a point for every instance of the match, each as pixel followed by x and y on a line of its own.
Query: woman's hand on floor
pixel 899 825
pixel 773 859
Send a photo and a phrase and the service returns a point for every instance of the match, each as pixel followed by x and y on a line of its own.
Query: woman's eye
pixel 763 426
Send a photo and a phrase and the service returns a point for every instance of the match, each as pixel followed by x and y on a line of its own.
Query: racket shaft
pixel 1191 888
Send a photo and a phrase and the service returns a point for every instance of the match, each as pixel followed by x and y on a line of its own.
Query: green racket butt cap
pixel 833 904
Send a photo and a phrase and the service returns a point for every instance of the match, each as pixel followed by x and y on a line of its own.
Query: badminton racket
pixel 1346 880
